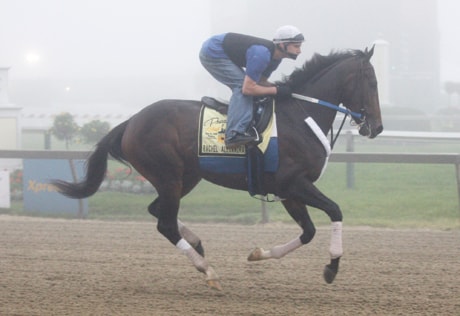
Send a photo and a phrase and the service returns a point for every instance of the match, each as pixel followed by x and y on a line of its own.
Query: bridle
pixel 356 116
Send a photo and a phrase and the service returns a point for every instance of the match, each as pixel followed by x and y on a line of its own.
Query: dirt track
pixel 73 267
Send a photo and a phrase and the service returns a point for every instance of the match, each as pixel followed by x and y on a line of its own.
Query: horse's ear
pixel 369 53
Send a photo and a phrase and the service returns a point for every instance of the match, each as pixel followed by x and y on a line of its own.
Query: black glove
pixel 283 91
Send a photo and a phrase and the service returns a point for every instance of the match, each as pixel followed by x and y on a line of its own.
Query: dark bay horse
pixel 160 142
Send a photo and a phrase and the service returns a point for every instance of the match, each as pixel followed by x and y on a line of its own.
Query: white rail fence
pixel 346 157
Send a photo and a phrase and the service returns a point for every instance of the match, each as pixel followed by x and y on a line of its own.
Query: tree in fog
pixel 93 131
pixel 65 128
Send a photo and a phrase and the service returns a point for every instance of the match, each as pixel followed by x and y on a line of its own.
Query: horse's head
pixel 361 94
pixel 346 78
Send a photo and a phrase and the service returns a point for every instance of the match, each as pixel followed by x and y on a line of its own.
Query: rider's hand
pixel 283 91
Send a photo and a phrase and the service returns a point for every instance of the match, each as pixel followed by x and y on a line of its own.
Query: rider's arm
pixel 264 82
pixel 250 87
pixel 258 68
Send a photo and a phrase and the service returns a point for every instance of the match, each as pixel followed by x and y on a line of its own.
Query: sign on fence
pixel 41 196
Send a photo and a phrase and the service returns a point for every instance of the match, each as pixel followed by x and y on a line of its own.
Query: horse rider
pixel 244 63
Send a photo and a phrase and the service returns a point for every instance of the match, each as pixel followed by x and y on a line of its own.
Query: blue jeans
pixel 240 107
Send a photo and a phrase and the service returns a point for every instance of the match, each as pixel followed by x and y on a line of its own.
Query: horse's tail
pixel 96 165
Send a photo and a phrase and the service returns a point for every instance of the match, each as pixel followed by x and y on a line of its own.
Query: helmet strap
pixel 282 47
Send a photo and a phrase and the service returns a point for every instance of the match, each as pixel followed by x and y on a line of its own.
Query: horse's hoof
pixel 329 274
pixel 330 270
pixel 212 279
pixel 214 284
pixel 256 255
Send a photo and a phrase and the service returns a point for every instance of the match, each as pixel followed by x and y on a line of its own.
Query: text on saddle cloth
pixel 213 124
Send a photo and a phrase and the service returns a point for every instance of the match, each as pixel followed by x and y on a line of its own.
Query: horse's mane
pixel 316 64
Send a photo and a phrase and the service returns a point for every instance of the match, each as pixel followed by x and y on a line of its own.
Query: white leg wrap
pixel 188 234
pixel 282 250
pixel 336 250
pixel 183 245
pixel 197 260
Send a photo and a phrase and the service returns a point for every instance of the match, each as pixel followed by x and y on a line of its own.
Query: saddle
pixel 263 111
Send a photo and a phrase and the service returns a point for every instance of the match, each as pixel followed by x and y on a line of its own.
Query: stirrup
pixel 258 137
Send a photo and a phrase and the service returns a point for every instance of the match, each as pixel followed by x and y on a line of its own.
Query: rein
pixel 328 105
pixel 333 107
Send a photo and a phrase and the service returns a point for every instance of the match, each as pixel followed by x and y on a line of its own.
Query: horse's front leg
pixel 302 192
pixel 336 251
pixel 313 197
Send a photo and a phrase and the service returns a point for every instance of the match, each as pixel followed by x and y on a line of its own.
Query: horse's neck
pixel 327 86
pixel 323 116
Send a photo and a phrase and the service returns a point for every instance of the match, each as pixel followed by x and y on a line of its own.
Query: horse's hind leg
pixel 166 210
pixel 184 231
pixel 191 237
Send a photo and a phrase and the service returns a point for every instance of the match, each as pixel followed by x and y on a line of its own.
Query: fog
pixel 95 51
pixel 132 53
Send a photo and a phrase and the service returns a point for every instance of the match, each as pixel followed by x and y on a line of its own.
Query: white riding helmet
pixel 288 34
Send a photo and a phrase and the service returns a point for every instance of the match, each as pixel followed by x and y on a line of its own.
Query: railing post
pixel 47 140
pixel 75 180
pixel 265 218
pixel 457 171
pixel 350 166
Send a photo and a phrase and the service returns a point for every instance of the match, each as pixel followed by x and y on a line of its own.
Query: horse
pixel 160 142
